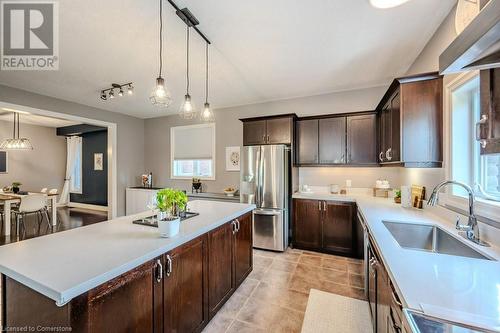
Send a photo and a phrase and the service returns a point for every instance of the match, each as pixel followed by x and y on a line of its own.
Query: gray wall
pixel 44 166
pixel 130 133
pixel 229 132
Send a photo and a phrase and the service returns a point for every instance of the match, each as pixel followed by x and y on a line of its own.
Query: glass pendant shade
pixel 188 108
pixel 16 144
pixel 207 114
pixel 160 96
pixel 387 3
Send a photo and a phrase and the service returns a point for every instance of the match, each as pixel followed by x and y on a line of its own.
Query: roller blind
pixel 194 142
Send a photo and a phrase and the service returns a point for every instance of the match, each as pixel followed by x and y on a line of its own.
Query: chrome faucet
pixel 471 228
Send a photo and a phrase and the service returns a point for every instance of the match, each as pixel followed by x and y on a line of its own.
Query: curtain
pixel 72 144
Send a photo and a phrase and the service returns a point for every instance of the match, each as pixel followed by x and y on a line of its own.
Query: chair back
pixel 53 191
pixel 43 190
pixel 32 203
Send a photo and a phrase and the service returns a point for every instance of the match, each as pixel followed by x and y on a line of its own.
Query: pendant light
pixel 16 143
pixel 160 96
pixel 187 110
pixel 207 113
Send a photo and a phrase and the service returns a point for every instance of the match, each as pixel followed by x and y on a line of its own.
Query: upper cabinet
pixel 411 122
pixel 337 140
pixel 268 130
pixel 488 127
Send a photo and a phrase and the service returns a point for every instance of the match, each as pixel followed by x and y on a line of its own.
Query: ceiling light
pixel 387 3
pixel 188 109
pixel 160 96
pixel 207 114
pixel 111 94
pixel 104 96
pixel 130 90
pixel 16 142
pixel 120 93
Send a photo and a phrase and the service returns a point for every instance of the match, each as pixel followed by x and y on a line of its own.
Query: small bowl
pixel 229 193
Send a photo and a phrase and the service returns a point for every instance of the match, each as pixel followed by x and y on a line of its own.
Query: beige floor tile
pixel 310 260
pixel 258 273
pixel 259 261
pixel 218 324
pixel 280 296
pixel 276 277
pixel 232 306
pixel 356 280
pixel 309 272
pixel 293 257
pixel 334 263
pixel 356 268
pixel 264 253
pixel 241 327
pixel 247 287
pixel 285 266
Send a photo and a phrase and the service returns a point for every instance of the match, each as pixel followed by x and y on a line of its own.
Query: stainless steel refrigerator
pixel 265 173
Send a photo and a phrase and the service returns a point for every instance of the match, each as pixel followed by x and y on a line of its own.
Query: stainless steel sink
pixel 427 237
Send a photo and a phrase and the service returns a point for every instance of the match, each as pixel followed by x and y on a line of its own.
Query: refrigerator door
pixel 273 177
pixel 269 227
pixel 250 175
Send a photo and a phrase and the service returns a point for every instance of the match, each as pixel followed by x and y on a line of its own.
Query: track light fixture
pixel 109 93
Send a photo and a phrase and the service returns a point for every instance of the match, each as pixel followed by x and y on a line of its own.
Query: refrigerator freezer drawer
pixel 269 229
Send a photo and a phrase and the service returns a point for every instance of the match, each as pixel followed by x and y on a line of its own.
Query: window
pixel 467 164
pixel 76 174
pixel 193 151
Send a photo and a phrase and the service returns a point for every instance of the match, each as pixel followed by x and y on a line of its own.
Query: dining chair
pixel 53 191
pixel 43 190
pixel 31 204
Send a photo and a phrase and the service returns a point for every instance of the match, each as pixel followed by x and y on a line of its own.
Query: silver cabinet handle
pixel 169 265
pixel 319 205
pixel 395 299
pixel 388 154
pixel 237 224
pixel 159 271
pixel 381 156
pixel 268 138
pixel 233 227
pixel 482 121
pixel 324 206
pixel 264 138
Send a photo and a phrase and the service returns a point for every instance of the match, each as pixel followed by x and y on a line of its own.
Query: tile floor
pixel 274 296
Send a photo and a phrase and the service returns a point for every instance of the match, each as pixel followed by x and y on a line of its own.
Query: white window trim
pixel 482 208
pixel 172 145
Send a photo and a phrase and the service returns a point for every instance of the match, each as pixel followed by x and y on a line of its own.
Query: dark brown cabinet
pixel 268 130
pixel 488 127
pixel 185 287
pixel 337 140
pixel 332 140
pixel 180 291
pixel 362 139
pixel 411 122
pixel 326 226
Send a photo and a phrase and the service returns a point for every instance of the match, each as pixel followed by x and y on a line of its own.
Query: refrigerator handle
pixel 261 178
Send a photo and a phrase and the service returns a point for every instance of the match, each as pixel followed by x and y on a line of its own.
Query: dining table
pixel 8 199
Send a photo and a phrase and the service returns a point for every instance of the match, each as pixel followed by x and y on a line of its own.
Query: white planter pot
pixel 169 228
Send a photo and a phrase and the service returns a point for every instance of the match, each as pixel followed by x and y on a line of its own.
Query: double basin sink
pixel 431 238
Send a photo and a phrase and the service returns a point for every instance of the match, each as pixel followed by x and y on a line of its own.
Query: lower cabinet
pixel 180 291
pixel 327 226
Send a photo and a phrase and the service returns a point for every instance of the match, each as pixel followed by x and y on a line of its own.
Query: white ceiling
pixel 262 50
pixel 33 119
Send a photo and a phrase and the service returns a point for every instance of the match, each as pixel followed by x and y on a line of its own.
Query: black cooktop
pixel 151 221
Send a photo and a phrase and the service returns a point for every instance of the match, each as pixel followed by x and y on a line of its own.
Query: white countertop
pixel 66 264
pixel 457 288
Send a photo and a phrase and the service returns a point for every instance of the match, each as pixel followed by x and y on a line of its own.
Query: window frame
pixel 172 151
pixel 485 210
pixel 80 168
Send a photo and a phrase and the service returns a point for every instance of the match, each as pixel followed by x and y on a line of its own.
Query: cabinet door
pixel 387 134
pixel 220 266
pixel 395 149
pixel 243 249
pixel 489 128
pixel 372 287
pixel 307 136
pixel 338 226
pixel 124 304
pixel 307 223
pixel 279 130
pixel 185 287
pixel 383 307
pixel 254 132
pixel 362 139
pixel 332 147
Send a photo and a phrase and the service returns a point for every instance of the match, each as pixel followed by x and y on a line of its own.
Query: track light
pixel 109 93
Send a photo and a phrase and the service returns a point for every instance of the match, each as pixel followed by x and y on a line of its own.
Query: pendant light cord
pixel 187 60
pixel 206 73
pixel 161 37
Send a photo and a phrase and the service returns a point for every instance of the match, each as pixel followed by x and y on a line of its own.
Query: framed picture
pixel 233 158
pixel 98 161
pixel 4 162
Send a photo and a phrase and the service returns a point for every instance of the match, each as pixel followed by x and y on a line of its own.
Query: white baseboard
pixel 87 206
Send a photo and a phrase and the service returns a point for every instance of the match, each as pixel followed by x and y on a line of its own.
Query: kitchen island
pixel 116 276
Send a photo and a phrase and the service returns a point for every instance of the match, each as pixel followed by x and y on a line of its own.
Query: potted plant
pixel 397 196
pixel 15 187
pixel 170 204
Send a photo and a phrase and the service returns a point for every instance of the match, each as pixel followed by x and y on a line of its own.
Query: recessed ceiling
pixel 33 119
pixel 262 50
